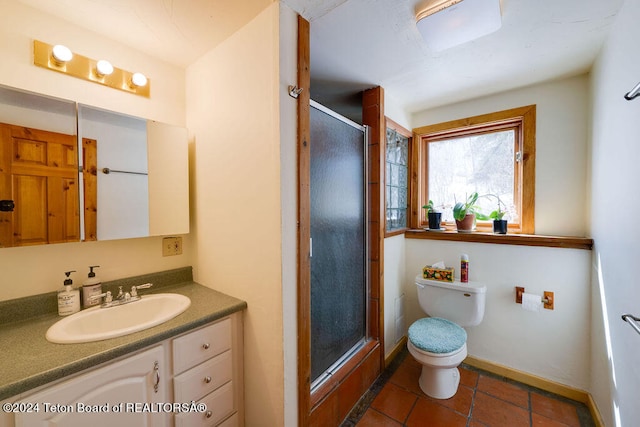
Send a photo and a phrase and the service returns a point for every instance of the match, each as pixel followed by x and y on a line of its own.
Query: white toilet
pixel 438 342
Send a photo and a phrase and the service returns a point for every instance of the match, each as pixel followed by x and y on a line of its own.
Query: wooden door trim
pixel 304 224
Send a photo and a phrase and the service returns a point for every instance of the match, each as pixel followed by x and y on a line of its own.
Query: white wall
pixel 615 384
pixel 394 278
pixel 233 109
pixel 552 344
pixel 39 269
pixel 561 146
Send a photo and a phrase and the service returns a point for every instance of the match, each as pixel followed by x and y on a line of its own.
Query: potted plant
pixel 466 213
pixel 499 224
pixel 434 217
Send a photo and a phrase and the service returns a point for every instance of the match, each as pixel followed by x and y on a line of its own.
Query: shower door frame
pixel 318 383
pixel 330 403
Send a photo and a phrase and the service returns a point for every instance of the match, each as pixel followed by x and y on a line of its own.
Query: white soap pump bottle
pixel 68 298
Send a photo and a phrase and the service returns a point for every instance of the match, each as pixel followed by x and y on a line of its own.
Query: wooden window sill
pixel 504 239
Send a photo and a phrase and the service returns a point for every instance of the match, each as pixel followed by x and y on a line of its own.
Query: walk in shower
pixel 339 244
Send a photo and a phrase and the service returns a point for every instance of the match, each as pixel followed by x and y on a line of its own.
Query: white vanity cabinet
pixel 107 393
pixel 202 366
pixel 206 370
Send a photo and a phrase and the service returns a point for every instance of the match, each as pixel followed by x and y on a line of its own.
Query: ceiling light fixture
pixel 447 23
pixel 61 54
pixel 104 68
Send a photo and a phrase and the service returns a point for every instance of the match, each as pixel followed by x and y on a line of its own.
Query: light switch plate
pixel 171 246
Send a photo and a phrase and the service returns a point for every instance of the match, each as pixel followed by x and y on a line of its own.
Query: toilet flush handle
pixel 421 286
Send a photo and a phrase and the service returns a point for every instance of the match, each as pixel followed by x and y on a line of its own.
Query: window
pixel 397 152
pixel 491 154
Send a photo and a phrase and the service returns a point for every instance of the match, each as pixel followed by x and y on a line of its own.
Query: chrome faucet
pixel 122 297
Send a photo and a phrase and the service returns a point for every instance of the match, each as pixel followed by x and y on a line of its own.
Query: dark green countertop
pixel 28 360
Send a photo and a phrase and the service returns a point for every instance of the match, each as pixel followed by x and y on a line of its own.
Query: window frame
pixel 390 124
pixel 522 119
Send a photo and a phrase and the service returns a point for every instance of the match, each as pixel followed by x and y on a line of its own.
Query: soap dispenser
pixel 90 288
pixel 68 298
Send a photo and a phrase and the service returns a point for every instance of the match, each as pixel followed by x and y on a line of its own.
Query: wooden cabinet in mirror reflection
pixel 39 173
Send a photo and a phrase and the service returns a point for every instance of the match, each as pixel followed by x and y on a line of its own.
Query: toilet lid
pixel 437 335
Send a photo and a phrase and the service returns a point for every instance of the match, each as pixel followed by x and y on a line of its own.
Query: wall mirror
pixel 71 172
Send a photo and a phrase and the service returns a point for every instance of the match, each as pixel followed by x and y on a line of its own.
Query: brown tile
pixel 538 420
pixel 407 375
pixel 468 377
pixel 504 390
pixel 429 413
pixel 555 409
pixel 495 412
pixel 373 418
pixel 460 402
pixel 394 402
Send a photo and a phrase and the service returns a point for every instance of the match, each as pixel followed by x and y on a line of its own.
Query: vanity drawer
pixel 220 405
pixel 196 347
pixel 203 379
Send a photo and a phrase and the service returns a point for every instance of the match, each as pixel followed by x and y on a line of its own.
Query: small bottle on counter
pixel 464 268
pixel 68 297
pixel 91 287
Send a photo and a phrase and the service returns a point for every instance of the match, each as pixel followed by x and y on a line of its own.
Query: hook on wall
pixel 633 92
pixel 294 91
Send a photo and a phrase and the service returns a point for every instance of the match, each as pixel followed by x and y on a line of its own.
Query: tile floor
pixel 483 399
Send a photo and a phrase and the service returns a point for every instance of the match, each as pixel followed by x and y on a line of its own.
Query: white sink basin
pixel 95 324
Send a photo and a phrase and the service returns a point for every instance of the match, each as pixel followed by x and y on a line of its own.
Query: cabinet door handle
pixel 209 414
pixel 156 369
pixel 206 346
pixel 207 379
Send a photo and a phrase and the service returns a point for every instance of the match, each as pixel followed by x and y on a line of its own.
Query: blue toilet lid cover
pixel 437 335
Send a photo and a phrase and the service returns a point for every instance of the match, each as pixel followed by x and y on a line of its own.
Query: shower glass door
pixel 339 241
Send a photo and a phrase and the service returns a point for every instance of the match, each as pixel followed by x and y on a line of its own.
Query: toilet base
pixel 439 383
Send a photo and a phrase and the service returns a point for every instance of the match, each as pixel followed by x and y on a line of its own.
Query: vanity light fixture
pixel 104 68
pixel 61 59
pixel 138 80
pixel 61 54
pixel 447 23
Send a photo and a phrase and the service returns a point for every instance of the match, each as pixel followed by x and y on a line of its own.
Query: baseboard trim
pixel 395 351
pixel 541 383
pixel 595 413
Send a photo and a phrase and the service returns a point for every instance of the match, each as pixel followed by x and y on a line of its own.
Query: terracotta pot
pixel 467 223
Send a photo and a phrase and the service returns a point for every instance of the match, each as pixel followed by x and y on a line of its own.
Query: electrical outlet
pixel 171 246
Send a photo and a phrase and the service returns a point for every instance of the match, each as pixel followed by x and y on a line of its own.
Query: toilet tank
pixel 462 303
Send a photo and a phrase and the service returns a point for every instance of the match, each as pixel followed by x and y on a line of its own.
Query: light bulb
pixel 103 68
pixel 62 53
pixel 138 79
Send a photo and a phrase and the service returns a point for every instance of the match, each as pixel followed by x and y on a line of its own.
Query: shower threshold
pixel 331 370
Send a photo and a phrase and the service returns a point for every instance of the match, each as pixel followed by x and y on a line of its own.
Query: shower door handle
pixel 310 247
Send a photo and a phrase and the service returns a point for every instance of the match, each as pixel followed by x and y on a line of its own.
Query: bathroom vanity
pixel 185 372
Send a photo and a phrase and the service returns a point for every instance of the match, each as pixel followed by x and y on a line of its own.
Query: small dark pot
pixel 500 226
pixel 434 220
pixel 466 225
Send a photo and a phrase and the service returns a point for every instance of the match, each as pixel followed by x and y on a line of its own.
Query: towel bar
pixel 632 321
pixel 107 171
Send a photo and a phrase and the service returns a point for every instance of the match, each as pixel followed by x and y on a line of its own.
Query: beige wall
pixel 233 111
pixel 33 270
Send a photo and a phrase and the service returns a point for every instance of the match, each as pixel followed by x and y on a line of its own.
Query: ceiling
pixel 358 44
